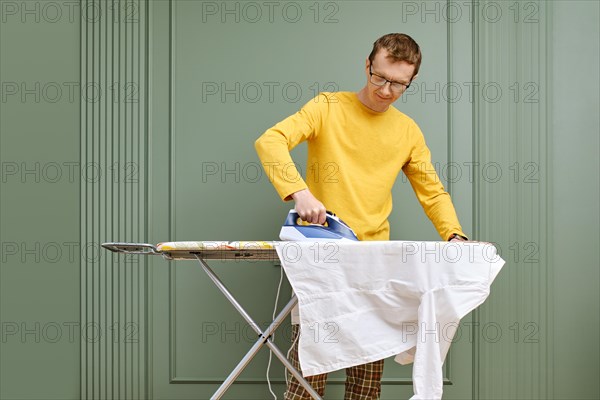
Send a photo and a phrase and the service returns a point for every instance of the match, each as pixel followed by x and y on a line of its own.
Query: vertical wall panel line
pixel 120 222
pixel 475 123
pixel 171 228
pixel 147 378
pixel 113 220
pixel 83 206
pixel 512 52
pixel 114 111
pixel 547 28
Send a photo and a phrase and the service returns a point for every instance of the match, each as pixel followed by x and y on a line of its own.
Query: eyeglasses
pixel 379 80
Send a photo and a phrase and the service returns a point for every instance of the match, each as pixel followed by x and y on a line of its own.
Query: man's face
pixel 381 97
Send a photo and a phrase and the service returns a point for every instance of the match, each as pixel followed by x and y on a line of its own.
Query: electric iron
pixel 335 229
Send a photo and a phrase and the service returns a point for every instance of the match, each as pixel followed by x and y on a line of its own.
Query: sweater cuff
pixel 457 234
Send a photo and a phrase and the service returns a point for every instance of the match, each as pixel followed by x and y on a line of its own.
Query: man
pixel 357 145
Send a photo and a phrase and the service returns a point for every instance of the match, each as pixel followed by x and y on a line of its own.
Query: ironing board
pixel 219 250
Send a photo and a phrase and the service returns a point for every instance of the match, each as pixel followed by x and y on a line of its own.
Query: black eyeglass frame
pixel 403 86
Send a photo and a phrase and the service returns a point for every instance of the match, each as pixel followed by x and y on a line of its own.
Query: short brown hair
pixel 400 47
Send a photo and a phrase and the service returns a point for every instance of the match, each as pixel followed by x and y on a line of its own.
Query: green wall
pixel 574 124
pixel 133 158
pixel 39 204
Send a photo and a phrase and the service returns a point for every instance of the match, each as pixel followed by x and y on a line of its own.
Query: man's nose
pixel 387 89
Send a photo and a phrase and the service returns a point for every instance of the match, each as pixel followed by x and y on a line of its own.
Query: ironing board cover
pixel 214 245
pixel 224 250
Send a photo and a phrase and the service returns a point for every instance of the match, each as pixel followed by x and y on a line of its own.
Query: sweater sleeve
pixel 429 189
pixel 273 146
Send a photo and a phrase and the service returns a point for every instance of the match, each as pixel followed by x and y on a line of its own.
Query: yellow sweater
pixel 354 157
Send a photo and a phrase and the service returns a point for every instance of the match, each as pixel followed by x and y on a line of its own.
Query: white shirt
pixel 364 301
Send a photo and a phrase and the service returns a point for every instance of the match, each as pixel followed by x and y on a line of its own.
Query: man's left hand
pixel 458 238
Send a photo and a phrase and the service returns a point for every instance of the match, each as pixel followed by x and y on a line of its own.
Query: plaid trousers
pixel 363 382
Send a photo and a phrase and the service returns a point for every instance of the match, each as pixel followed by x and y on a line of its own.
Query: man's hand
pixel 308 207
pixel 457 238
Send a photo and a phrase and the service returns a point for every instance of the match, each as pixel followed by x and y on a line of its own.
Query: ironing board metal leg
pixel 263 338
pixel 237 371
pixel 255 349
pixel 274 349
pixel 228 294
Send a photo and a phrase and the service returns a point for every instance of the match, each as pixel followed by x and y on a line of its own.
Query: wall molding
pixel 510 135
pixel 456 39
pixel 114 140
